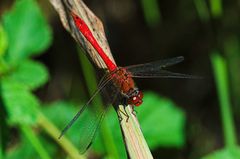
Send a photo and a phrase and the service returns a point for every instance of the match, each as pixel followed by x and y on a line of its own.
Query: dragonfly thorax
pixel 124 81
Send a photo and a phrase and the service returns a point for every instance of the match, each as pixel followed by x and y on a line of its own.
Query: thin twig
pixel 134 140
pixel 54 133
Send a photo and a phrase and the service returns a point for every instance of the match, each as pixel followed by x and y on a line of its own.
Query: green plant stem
pixel 202 10
pixel 91 81
pixel 3 66
pixel 216 8
pixel 54 133
pixel 3 41
pixel 1 142
pixel 151 12
pixel 3 128
pixel 231 50
pixel 1 151
pixel 221 74
pixel 31 136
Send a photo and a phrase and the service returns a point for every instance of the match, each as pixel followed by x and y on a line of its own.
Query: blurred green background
pixel 44 78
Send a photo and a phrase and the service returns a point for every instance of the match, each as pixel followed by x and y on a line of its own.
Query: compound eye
pixel 138 102
pixel 134 98
pixel 140 95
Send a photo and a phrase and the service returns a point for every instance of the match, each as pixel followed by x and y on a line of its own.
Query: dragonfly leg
pixel 125 101
pixel 134 112
pixel 124 113
pixel 119 116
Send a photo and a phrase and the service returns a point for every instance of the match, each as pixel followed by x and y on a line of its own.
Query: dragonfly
pixel 122 80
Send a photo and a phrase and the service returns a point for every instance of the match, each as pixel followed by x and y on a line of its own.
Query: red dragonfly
pixel 121 78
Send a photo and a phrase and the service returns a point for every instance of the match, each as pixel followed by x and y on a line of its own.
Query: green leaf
pixel 21 105
pixel 30 73
pixel 34 141
pixel 112 121
pixel 162 121
pixel 66 111
pixel 169 132
pixel 26 150
pixel 60 113
pixel 227 153
pixel 3 47
pixel 3 41
pixel 27 30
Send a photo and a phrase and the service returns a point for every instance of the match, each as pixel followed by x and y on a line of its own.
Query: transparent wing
pixel 90 122
pixel 162 74
pixel 156 65
pixel 90 115
pixel 155 69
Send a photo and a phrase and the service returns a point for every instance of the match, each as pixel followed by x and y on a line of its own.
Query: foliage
pixel 29 128
pixel 20 75
pixel 227 153
pixel 231 150
pixel 27 33
pixel 3 41
pixel 27 38
pixel 171 119
pixel 151 12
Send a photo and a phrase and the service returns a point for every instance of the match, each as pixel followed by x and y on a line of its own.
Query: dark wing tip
pixel 172 61
pixel 197 77
pixel 180 58
pixel 83 150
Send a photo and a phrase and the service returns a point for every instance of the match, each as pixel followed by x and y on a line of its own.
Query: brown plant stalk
pixel 134 140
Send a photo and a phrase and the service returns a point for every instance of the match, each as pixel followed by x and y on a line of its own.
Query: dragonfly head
pixel 136 98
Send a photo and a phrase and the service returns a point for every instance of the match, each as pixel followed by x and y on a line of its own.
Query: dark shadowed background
pixel 143 31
